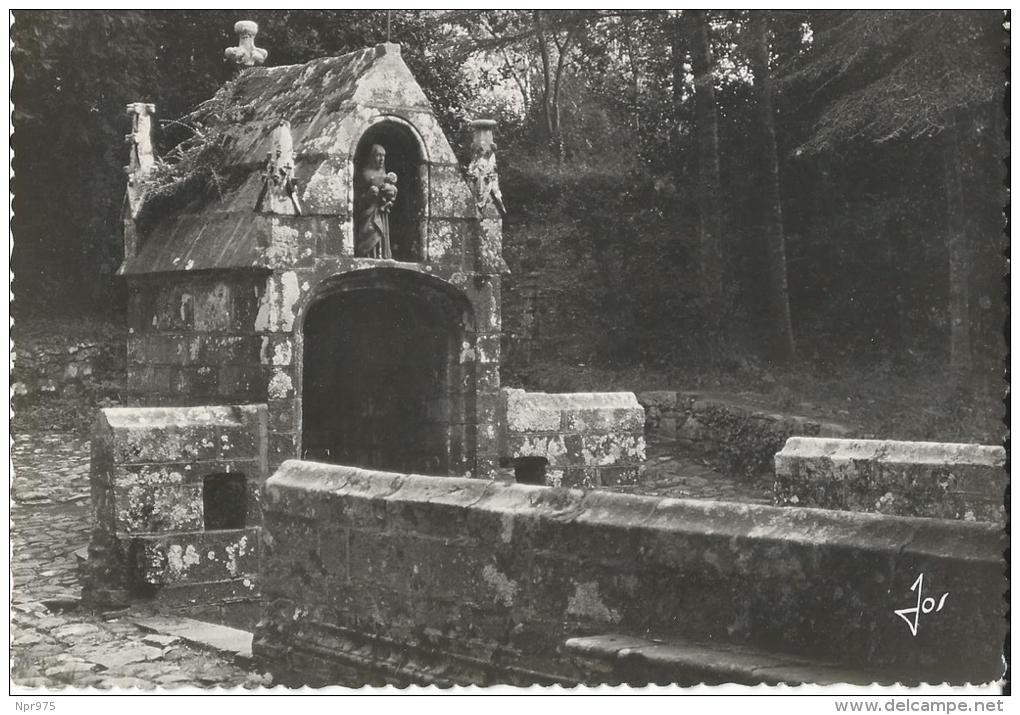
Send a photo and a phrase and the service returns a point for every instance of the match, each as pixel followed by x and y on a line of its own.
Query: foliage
pixel 900 73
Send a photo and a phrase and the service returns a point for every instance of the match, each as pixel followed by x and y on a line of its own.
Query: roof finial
pixel 246 54
pixel 389 17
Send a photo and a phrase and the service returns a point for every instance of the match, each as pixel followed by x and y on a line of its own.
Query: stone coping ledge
pixel 969 541
pixel 892 451
pixel 687 662
pixel 132 418
pixel 576 400
pixel 569 412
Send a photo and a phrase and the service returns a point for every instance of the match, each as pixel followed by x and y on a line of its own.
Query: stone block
pixel 667 427
pixel 487 347
pixel 152 508
pixel 449 195
pixel 604 419
pixel 447 239
pixel 199 556
pixel 551 447
pixel 933 479
pixel 282 446
pixel 618 475
pixel 578 478
pixel 136 350
pixel 612 449
pixel 212 307
pixel 487 376
pixel 283 415
pixel 529 412
pixel 229 349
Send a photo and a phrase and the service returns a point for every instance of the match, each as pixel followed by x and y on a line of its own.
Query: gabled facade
pixel 243 296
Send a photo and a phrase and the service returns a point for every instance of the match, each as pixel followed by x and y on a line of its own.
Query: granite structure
pixel 298 302
pixel 317 432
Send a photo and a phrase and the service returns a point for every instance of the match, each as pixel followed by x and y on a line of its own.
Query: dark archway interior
pixel 403 158
pixel 377 381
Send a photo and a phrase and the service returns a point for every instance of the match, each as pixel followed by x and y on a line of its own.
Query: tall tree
pixel 553 35
pixel 706 127
pixel 894 76
pixel 782 347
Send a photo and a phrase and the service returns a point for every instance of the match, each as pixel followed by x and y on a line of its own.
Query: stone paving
pixel 667 473
pixel 54 643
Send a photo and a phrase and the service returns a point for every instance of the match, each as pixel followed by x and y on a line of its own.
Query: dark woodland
pixel 802 204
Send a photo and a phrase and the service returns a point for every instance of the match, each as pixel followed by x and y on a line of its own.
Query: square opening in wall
pixel 530 470
pixel 225 500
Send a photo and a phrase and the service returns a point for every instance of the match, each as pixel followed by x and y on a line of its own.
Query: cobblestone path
pixel 55 644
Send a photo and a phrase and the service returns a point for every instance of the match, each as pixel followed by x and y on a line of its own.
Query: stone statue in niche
pixel 378 194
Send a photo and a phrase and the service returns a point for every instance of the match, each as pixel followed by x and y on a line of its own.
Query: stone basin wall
pixel 372 577
pixel 932 479
pixel 588 439
pixel 741 437
pixel 156 475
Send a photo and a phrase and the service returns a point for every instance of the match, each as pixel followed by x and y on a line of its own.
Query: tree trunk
pixel 706 125
pixel 678 54
pixel 959 257
pixel 543 50
pixel 782 329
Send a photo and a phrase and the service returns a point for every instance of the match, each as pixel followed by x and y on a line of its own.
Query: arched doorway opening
pixel 382 385
pixel 407 217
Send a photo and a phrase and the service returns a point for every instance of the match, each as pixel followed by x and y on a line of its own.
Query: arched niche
pixel 382 383
pixel 408 219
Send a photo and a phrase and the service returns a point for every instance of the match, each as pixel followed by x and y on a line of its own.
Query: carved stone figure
pixel 279 192
pixel 246 54
pixel 141 160
pixel 378 194
pixel 482 169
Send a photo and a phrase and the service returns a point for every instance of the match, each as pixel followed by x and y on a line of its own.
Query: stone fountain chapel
pixel 316 430
pixel 258 305
pixel 305 312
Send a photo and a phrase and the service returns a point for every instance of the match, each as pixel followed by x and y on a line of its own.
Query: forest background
pixel 805 206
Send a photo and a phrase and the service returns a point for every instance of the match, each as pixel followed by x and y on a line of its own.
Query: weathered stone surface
pixel 639 661
pixel 366 572
pixel 200 556
pixel 167 630
pixel 934 479
pixel 588 439
pixel 149 467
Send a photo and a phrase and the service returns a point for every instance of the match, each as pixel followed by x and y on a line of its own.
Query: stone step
pixel 229 641
pixel 633 660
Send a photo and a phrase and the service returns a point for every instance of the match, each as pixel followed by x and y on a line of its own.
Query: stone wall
pixel 932 479
pixel 586 439
pixel 236 337
pixel 740 436
pixel 374 577
pixel 175 496
pixel 53 364
pixel 191 342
